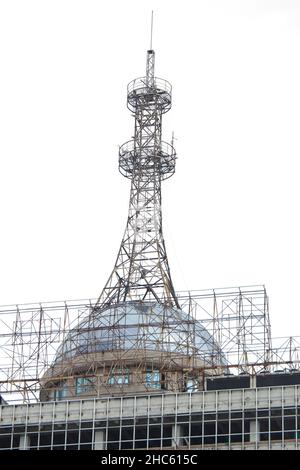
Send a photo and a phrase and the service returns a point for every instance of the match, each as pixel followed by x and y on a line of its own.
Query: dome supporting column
pixel 99 440
pixel 177 435
pixel 24 442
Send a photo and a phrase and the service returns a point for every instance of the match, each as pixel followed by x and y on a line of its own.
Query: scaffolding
pixel 233 325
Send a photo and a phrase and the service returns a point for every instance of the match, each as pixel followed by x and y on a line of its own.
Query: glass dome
pixel 139 326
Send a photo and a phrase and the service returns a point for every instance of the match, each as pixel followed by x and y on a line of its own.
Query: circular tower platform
pixel 158 93
pixel 132 159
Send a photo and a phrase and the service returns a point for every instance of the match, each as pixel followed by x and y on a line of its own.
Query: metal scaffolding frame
pixel 236 320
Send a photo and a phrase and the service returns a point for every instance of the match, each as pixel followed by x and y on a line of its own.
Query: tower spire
pixel 141 271
pixel 150 60
pixel 151 32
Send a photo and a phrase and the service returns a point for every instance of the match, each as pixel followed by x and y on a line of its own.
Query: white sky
pixel 231 212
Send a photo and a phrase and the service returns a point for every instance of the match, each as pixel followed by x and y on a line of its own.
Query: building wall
pixel 267 418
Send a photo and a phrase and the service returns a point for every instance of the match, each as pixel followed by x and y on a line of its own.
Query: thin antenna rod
pixel 151 30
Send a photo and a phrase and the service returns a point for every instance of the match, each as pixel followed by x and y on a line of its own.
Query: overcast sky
pixel 231 212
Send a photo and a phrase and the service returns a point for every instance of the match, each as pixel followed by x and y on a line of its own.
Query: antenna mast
pixel 151 30
pixel 142 271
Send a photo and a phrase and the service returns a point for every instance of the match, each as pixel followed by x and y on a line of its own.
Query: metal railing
pixel 141 84
pixel 165 153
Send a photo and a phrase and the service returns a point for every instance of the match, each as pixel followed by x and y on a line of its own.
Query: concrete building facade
pixel 254 418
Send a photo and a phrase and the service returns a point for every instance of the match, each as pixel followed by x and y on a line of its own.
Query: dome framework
pixel 236 319
pixel 131 347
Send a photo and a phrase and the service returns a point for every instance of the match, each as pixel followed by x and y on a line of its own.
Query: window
pixel 85 385
pixel 61 391
pixel 191 384
pixel 118 377
pixel 153 378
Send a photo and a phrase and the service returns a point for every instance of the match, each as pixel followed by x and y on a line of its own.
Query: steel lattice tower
pixel 136 336
pixel 141 271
